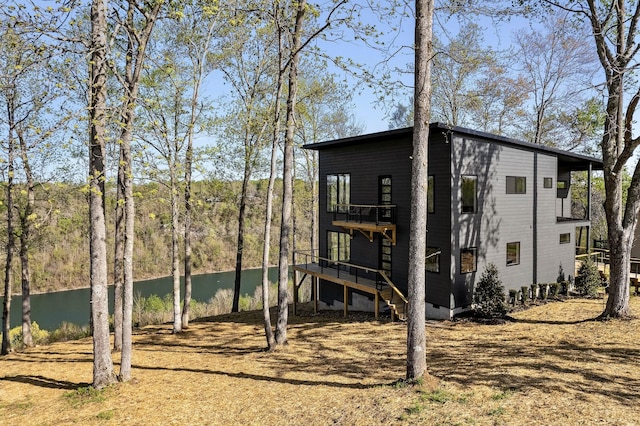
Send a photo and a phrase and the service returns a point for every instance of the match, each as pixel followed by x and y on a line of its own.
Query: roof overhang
pixel 566 159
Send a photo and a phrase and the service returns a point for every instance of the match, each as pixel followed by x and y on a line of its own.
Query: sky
pixel 368 109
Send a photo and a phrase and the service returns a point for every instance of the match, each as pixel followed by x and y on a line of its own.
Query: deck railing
pixel 346 269
pixel 385 213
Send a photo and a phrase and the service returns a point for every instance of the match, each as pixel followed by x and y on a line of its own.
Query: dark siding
pixel 365 163
pixel 439 223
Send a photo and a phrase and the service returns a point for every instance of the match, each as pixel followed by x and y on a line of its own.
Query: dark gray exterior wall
pixel 365 163
pixel 501 218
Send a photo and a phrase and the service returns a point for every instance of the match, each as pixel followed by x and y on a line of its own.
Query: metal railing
pixel 385 213
pixel 341 269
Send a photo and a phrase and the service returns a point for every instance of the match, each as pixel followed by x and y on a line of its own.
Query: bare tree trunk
pixel 27 337
pixel 416 333
pixel 241 230
pixel 187 226
pixel 287 181
pixel 25 241
pixel 8 275
pixel 266 315
pixel 118 258
pixel 127 291
pixel 175 256
pixel 102 364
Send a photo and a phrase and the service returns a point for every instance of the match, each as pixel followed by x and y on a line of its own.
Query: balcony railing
pixel 365 213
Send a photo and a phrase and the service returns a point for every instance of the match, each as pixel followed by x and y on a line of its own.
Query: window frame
pixel 547 182
pixel 474 179
pixel 517 254
pixel 568 240
pixel 431 194
pixel 474 251
pixel 518 184
pixel 435 262
pixel 340 189
pixel 343 246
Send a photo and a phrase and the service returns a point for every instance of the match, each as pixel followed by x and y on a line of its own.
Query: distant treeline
pixel 60 252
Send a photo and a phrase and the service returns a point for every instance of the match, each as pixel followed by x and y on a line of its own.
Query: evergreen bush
pixel 489 296
pixel 588 278
pixel 525 294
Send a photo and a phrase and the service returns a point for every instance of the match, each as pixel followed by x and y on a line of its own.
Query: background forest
pixel 60 247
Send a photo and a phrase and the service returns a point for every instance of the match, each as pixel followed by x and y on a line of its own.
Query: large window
pixel 338 246
pixel 516 185
pixel 430 195
pixel 468 260
pixel 433 259
pixel 469 194
pixel 513 254
pixel 338 190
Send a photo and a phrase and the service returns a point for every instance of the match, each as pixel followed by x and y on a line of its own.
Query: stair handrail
pixel 395 289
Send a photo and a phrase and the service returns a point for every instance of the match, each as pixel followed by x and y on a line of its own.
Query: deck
pixel 367 280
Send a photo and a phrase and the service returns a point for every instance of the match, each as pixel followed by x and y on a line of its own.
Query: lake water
pixel 49 310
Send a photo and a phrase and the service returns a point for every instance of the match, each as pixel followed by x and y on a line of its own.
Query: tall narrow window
pixel 469 194
pixel 384 196
pixel 385 256
pixel 516 185
pixel 430 195
pixel 338 246
pixel 468 260
pixel 338 192
pixel 513 254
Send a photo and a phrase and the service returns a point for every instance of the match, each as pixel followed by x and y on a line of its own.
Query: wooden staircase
pixel 396 302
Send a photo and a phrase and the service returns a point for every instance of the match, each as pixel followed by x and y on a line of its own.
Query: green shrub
pixel 513 296
pixel 588 278
pixel 525 294
pixel 534 291
pixel 553 289
pixel 39 336
pixel 489 294
pixel 69 331
pixel 544 291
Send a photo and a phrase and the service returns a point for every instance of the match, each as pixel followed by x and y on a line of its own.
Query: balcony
pixel 367 219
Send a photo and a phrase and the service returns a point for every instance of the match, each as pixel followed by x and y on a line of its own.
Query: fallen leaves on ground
pixel 552 365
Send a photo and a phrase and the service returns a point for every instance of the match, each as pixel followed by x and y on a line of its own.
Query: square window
pixel 516 185
pixel 562 184
pixel 433 259
pixel 469 194
pixel 468 260
pixel 513 254
pixel 565 238
pixel 548 182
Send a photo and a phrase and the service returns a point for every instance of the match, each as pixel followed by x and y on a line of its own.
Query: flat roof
pixel 568 158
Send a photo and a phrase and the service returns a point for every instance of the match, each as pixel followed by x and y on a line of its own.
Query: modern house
pixel 491 199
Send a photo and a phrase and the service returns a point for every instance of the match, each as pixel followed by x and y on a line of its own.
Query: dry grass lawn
pixel 553 366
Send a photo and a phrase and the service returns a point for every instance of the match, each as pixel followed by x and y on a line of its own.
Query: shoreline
pixel 110 285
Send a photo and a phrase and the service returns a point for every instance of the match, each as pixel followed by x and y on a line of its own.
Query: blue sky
pixel 368 110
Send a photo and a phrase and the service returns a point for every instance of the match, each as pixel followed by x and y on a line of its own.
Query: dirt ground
pixel 551 366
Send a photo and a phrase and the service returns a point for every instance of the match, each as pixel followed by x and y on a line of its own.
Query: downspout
pixel 535 218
